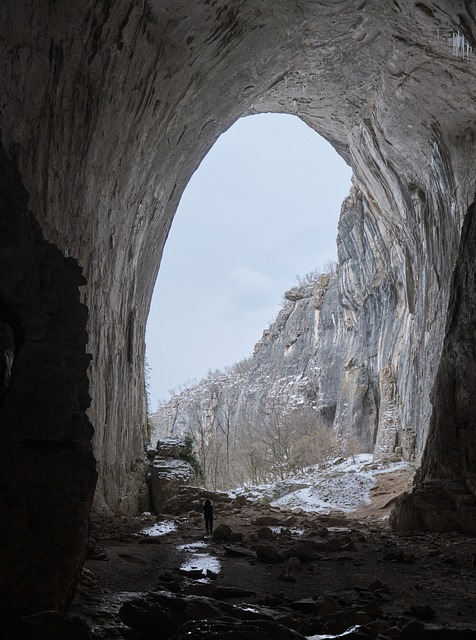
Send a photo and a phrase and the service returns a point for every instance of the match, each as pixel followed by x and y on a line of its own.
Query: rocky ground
pixel 270 573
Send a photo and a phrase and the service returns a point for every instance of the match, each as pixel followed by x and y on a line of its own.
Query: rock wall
pixel 169 469
pixel 346 345
pixel 48 472
pixel 108 108
pixel 444 498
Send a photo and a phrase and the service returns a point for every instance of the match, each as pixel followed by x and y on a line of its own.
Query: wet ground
pixel 357 564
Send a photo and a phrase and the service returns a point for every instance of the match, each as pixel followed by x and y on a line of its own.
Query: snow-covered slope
pixel 343 485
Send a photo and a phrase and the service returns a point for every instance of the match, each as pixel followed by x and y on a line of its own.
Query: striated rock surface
pixel 168 471
pixel 445 496
pixel 107 109
pixel 166 477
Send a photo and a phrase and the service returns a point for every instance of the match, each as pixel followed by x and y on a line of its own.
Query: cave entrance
pixel 261 209
pixel 258 217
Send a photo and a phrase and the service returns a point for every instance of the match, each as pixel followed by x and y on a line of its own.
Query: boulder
pixel 236 536
pixel 191 498
pixel 243 630
pixel 265 553
pixel 304 550
pixel 327 605
pixel 343 543
pixel 48 625
pixel 267 521
pixel 165 611
pixel 166 477
pixel 421 612
pixel 191 616
pixel 172 448
pixel 305 605
pixel 265 533
pixel 222 532
pixel 293 568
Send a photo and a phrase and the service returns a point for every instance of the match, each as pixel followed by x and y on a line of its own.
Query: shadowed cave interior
pixel 107 109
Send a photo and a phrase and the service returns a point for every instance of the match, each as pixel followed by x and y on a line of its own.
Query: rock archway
pixel 108 107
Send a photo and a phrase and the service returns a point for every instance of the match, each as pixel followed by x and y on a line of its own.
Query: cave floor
pixel 386 580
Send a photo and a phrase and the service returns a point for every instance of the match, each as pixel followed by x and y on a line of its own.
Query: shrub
pixel 191 458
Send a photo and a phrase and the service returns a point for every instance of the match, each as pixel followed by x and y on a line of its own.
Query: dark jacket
pixel 208 509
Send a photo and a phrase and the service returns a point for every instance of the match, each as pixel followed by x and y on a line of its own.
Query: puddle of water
pixel 159 528
pixel 294 530
pixel 199 560
pixel 193 546
pixel 203 562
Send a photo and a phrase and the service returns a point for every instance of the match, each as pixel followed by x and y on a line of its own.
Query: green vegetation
pixel 192 459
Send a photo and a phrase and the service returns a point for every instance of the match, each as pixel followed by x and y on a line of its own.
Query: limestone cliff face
pixel 344 345
pixel 284 374
pixel 107 109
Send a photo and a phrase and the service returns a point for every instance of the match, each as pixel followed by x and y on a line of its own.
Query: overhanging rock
pixel 108 108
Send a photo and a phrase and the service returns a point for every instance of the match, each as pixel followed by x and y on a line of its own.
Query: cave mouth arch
pixel 105 130
pixel 261 210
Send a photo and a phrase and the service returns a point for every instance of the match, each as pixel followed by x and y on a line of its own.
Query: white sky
pixel 261 209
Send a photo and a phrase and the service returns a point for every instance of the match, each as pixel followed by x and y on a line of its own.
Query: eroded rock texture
pixel 108 108
pixel 169 469
pixel 444 496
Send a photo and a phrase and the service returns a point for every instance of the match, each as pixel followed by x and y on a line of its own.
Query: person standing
pixel 208 514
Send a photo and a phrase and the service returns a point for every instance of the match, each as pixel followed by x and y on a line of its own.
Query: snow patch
pixel 295 531
pixel 159 528
pixel 192 546
pixel 343 485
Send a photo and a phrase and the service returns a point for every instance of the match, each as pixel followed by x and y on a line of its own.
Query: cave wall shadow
pixel 48 472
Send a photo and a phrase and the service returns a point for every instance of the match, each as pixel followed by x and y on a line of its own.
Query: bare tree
pixel 251 453
pixel 199 420
pixel 317 442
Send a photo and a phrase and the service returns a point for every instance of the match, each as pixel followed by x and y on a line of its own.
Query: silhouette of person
pixel 208 513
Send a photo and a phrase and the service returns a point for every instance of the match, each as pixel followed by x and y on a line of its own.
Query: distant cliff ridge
pixel 341 353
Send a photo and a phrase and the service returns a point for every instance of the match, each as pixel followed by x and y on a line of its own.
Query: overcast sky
pixel 261 209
